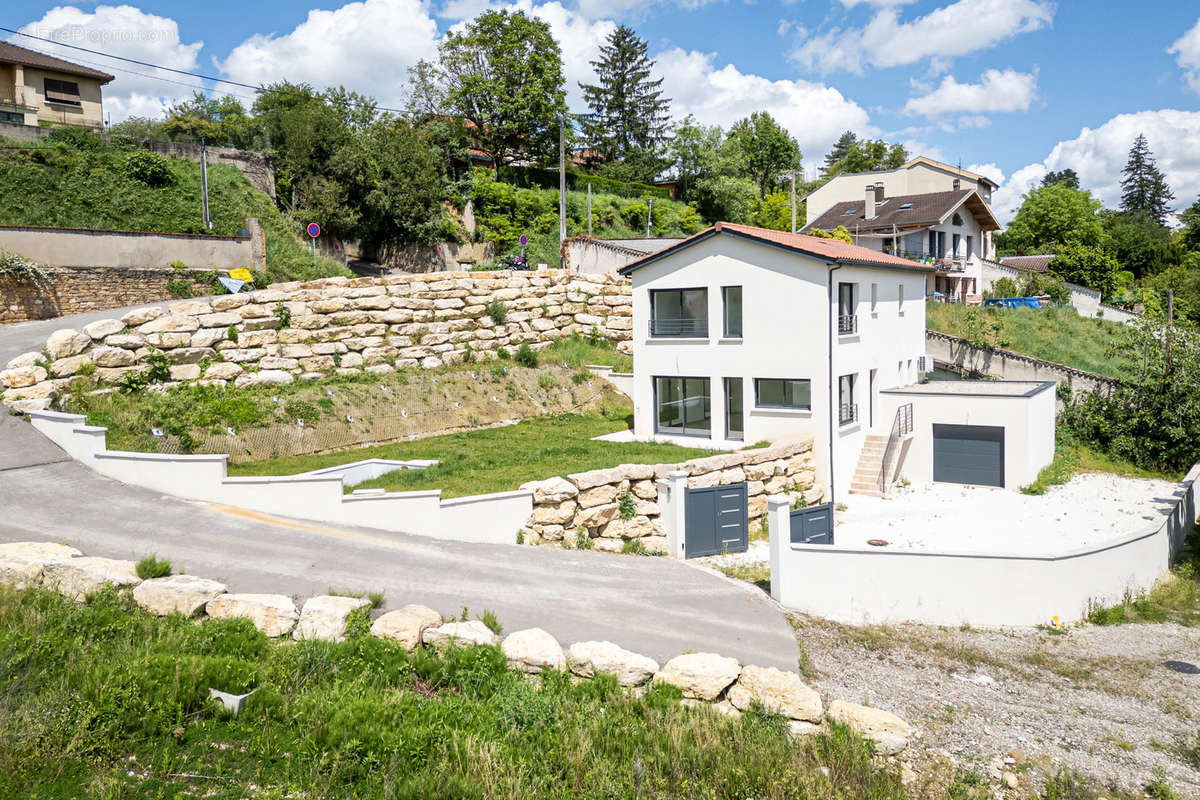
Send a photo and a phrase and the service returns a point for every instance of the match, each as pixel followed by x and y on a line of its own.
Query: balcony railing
pixel 847 413
pixel 942 263
pixel 695 327
pixel 14 97
pixel 847 324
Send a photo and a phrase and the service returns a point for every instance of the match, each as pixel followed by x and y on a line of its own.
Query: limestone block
pixel 704 481
pixel 431 362
pixel 222 370
pixel 140 316
pixel 734 475
pixel 21 563
pixel 599 495
pixel 128 341
pixel 596 477
pixel 586 659
pixel 104 327
pixel 756 506
pixel 328 348
pixel 24 360
pixel 65 367
pixel 405 625
pixel 596 516
pixel 776 485
pixel 462 634
pixel 191 308
pixel 754 488
pixel 66 342
pixel 318 364
pixel 105 356
pixel 170 323
pixel 192 355
pixel 635 528
pixel 700 676
pixel 324 617
pixel 168 340
pixel 21 377
pixel 380 369
pixel 76 578
pixel 551 490
pixel 532 651
pixel 273 614
pixel 654 544
pixel 185 372
pixel 274 362
pixel 379 355
pixel 888 731
pixel 759 472
pixel 698 466
pixel 266 377
pixel 296 351
pixel 608 545
pixel 242 354
pixel 219 319
pixel 177 594
pixel 258 338
pixel 207 337
pixel 778 691
pixel 644 490
pixel 229 302
pixel 552 513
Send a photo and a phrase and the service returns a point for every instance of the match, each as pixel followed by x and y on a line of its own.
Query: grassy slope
pixel 58 186
pixel 1052 334
pixel 493 459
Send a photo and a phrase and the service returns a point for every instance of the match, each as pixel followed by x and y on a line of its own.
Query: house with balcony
pixel 926 211
pixel 745 334
pixel 38 89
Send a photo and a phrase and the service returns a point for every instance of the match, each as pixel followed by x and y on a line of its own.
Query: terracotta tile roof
pixel 1035 263
pixel 829 249
pixel 12 54
pixel 923 209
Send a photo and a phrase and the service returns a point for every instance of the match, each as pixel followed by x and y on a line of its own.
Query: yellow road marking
pixel 267 519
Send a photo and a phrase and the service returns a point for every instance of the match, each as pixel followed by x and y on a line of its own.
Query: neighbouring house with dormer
pixel 36 88
pixel 925 211
pixel 745 334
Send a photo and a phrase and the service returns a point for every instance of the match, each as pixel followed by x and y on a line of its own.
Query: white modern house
pixel 744 334
pixel 925 211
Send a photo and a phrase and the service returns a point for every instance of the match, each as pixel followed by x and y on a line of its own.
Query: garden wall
pixel 73 247
pixel 334 325
pixel 78 290
pixel 591 502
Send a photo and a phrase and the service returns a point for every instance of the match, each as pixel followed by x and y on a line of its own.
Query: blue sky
pixel 1010 87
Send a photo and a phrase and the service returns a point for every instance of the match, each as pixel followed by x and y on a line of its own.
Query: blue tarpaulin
pixel 1013 302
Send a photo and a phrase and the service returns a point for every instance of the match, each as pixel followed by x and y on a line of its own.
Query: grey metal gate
pixel 813 525
pixel 968 454
pixel 715 521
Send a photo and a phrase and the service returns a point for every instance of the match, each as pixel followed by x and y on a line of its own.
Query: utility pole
pixel 793 201
pixel 649 216
pixel 562 184
pixel 204 186
pixel 589 209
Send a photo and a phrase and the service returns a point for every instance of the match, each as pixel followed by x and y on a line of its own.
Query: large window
pixel 732 300
pixel 783 393
pixel 734 427
pixel 679 312
pixel 62 92
pixel 683 406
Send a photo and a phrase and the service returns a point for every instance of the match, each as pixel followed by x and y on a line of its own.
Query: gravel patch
pixel 1089 510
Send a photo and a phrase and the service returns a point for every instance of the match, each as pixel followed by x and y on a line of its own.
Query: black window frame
pixel 758 403
pixel 656 332
pixel 705 433
pixel 725 387
pixel 62 87
pixel 726 333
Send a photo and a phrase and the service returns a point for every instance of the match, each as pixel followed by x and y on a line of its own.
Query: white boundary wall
pixel 875 585
pixel 492 518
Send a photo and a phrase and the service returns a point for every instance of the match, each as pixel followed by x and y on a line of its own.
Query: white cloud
pixel 966 26
pixel 876 3
pixel 997 91
pixel 1187 54
pixel 813 113
pixel 367 46
pixel 988 170
pixel 1097 156
pixel 128 32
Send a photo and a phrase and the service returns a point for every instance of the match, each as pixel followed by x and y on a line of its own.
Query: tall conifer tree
pixel 1144 188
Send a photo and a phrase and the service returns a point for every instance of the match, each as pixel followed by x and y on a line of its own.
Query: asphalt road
pixel 657 606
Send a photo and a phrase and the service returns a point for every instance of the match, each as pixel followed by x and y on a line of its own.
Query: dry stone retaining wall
pixel 78 290
pixel 334 325
pixel 589 503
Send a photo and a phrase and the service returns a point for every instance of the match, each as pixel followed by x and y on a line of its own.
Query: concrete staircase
pixel 870 462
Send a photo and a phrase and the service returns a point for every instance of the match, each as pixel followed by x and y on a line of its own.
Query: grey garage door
pixel 968 454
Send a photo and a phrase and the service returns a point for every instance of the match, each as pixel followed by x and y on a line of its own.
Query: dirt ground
pixel 1097 700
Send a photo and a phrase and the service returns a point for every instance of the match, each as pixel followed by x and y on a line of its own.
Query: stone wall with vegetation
pixel 78 290
pixel 337 325
pixel 606 509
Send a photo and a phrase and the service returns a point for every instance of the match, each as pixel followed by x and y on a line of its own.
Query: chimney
pixel 879 196
pixel 869 208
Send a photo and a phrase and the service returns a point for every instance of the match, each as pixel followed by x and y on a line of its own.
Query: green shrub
pixel 633 547
pixel 151 567
pixel 526 356
pixel 283 316
pixel 301 409
pixel 497 311
pixel 158 366
pixel 149 168
pixel 231 333
pixel 132 382
pixel 627 507
pixel 74 136
pixel 503 354
pixel 181 288
pixel 489 619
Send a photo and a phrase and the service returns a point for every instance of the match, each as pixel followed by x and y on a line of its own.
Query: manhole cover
pixel 1182 666
pixel 877 542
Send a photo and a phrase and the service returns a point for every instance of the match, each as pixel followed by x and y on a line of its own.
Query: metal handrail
pixel 902 425
pixel 685 326
pixel 847 324
pixel 847 413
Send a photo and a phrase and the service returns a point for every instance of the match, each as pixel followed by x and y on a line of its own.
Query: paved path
pixel 657 606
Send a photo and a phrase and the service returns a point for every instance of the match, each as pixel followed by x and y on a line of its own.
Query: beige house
pixel 39 89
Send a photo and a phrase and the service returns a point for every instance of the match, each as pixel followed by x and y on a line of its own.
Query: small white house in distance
pixel 744 334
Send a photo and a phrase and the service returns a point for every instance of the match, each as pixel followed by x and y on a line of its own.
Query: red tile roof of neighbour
pixel 13 54
pixel 833 250
pixel 1034 263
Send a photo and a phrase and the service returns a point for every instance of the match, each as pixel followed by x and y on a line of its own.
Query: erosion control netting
pixel 396 408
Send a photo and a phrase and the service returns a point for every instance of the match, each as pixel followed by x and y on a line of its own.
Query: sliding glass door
pixel 683 406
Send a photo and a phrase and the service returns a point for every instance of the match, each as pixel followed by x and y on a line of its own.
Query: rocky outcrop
pixel 406 625
pixel 532 651
pixel 888 731
pixel 177 594
pixel 586 659
pixel 460 634
pixel 273 614
pixel 324 617
pixel 700 676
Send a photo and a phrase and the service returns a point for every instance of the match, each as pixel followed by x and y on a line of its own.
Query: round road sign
pixel 314 230
pixel 524 240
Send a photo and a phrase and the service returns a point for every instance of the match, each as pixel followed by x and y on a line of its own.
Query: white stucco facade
pixel 790 322
pixel 918 176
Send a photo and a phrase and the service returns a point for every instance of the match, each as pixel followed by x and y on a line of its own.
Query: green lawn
pixel 494 459
pixel 1052 334
pixel 106 701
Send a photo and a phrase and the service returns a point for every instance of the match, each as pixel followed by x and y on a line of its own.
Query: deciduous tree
pixel 1051 217
pixel 765 149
